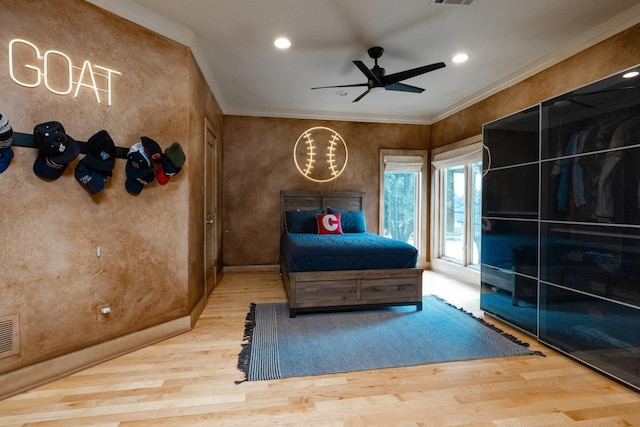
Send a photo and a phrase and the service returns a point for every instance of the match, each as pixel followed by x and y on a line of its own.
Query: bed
pixel 347 271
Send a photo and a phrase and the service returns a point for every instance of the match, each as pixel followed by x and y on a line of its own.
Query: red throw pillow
pixel 329 223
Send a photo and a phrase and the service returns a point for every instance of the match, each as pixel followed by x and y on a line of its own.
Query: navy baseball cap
pixel 139 169
pixel 52 167
pixel 92 180
pixel 101 152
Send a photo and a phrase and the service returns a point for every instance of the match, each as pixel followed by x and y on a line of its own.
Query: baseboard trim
pixel 252 269
pixel 32 376
pixel 463 274
pixel 198 309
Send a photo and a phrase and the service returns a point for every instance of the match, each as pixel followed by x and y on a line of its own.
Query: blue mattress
pixel 349 251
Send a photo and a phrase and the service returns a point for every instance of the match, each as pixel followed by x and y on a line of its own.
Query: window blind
pixel 403 163
pixel 459 156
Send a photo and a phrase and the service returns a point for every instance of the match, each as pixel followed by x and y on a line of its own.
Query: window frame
pixel 422 232
pixel 464 152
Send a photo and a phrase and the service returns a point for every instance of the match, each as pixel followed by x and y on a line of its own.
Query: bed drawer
pixel 322 291
pixel 498 277
pixel 389 289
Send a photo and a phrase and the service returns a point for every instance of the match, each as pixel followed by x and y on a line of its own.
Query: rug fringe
pixel 493 327
pixel 244 358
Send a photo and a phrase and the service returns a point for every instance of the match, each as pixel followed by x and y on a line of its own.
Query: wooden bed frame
pixel 345 289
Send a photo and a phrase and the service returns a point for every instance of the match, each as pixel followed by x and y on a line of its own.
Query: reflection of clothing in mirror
pixel 599 171
pixel 622 136
pixel 570 171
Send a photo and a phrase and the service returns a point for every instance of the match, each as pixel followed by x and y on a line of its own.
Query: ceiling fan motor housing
pixel 379 73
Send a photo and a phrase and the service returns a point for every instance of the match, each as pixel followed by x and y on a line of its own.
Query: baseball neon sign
pixel 320 154
pixel 56 70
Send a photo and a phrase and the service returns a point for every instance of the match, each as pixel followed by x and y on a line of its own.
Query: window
pixel 454 208
pixel 462 213
pixel 403 197
pixel 457 211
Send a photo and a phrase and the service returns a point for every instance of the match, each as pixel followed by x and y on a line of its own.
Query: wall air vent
pixel 454 2
pixel 9 336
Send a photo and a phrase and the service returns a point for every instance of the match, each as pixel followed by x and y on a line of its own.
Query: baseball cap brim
pixel 44 168
pixel 166 171
pixel 6 154
pixel 133 186
pixel 161 177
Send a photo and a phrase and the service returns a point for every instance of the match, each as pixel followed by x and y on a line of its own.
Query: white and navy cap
pixel 6 132
pixel 139 169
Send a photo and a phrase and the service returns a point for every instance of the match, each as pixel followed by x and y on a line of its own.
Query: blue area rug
pixel 277 346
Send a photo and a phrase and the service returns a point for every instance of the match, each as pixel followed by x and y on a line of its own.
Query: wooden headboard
pixel 305 200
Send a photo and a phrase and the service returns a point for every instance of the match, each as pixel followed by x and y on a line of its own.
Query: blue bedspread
pixel 349 251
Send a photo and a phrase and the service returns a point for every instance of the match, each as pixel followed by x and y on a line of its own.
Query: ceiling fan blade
pixel 367 72
pixel 403 75
pixel 361 96
pixel 572 99
pixel 595 92
pixel 329 87
pixel 401 87
pixel 581 103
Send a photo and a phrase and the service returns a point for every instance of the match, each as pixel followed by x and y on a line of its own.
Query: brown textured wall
pixel 617 53
pixel 50 230
pixel 258 163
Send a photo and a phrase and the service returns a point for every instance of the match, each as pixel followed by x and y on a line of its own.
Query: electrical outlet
pixel 104 313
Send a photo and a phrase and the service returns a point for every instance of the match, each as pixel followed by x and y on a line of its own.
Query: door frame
pixel 210 195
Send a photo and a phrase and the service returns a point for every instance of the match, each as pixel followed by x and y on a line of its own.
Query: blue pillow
pixel 302 221
pixel 351 221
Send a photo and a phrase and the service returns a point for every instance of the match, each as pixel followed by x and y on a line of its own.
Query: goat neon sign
pixel 56 70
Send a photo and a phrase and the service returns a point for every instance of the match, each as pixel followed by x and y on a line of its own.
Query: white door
pixel 210 207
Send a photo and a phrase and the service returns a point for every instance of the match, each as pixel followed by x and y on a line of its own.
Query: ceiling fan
pixel 376 78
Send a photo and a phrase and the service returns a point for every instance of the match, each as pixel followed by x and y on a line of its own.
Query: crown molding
pixel 613 26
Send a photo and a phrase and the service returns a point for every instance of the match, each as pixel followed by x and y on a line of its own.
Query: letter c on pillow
pixel 329 223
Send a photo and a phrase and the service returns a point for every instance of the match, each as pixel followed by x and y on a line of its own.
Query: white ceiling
pixel 507 40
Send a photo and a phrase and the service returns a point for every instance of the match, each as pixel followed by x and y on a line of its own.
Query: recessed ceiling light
pixel 630 74
pixel 282 43
pixel 460 57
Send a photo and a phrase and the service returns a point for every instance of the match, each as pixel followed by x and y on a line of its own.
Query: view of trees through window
pixel 454 198
pixel 400 206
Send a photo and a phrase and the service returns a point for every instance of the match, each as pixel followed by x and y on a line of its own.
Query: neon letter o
pixel 46 67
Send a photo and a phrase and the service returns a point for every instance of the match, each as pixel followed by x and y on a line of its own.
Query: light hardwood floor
pixel 191 380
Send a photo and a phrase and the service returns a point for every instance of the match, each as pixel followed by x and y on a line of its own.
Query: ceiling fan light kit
pixel 378 81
